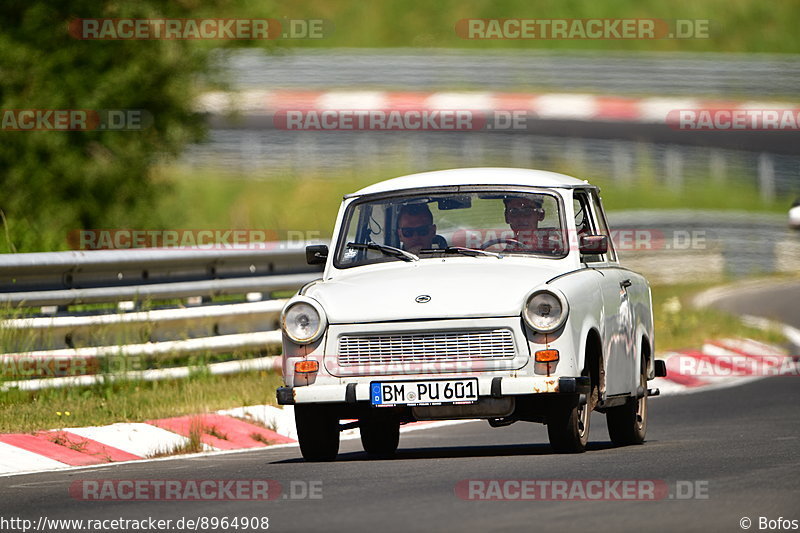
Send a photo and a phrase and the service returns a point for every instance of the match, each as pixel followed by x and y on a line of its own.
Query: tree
pixel 52 182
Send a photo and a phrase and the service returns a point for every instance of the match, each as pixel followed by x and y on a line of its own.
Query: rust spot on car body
pixel 547 385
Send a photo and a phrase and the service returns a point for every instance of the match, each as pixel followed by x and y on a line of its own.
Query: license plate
pixel 430 392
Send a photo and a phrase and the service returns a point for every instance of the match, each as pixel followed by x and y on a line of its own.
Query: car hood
pixel 457 287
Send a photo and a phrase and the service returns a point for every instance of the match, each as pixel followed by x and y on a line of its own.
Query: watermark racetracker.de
pixel 580 490
pixel 75 119
pixel 458 120
pixel 582 29
pixel 198 490
pixel 734 119
pixel 183 239
pixel 117 29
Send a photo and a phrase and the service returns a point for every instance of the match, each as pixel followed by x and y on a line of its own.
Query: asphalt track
pixel 737 447
pixel 779 301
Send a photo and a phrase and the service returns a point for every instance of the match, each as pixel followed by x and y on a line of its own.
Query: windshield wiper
pixel 386 250
pixel 471 252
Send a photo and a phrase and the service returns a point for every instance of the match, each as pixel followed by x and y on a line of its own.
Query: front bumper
pixel 495 387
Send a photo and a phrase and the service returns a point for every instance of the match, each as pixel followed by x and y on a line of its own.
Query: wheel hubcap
pixel 583 416
pixel 641 407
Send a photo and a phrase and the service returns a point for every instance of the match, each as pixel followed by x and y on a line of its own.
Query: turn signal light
pixel 546 356
pixel 306 367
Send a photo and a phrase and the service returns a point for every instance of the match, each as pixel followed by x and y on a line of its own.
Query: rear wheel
pixel 627 424
pixel 380 434
pixel 317 431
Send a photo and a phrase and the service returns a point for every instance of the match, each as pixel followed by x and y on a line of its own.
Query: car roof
pixel 474 176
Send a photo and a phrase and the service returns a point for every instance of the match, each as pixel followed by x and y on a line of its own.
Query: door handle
pixel 624 284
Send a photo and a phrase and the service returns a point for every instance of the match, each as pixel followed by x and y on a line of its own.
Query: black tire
pixel 380 434
pixel 568 426
pixel 317 431
pixel 627 424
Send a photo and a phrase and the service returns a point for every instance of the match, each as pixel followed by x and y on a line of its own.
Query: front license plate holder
pixel 423 392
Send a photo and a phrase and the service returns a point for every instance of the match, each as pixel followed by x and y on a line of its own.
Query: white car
pixel 794 215
pixel 479 293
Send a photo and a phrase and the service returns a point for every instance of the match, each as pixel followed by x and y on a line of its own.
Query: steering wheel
pixel 501 240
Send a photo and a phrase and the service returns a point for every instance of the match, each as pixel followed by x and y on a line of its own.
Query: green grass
pixel 737 25
pixel 302 207
pixel 210 199
pixel 688 327
pixel 107 403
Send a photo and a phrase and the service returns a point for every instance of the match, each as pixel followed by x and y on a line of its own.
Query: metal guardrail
pixel 691 245
pixel 80 277
pixel 67 345
pixel 636 73
pixel 73 332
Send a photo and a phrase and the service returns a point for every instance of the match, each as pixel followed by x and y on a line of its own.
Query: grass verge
pixel 735 25
pixel 193 444
pixel 295 208
pixel 107 403
pixel 678 325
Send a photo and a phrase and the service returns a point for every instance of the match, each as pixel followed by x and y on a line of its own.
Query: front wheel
pixel 627 424
pixel 380 434
pixel 317 431
pixel 568 426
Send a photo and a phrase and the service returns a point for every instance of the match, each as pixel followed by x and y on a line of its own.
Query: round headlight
pixel 545 311
pixel 302 322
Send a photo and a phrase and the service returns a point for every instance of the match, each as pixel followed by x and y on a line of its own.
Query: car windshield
pixel 433 225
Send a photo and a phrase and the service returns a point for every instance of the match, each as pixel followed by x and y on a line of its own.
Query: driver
pixel 415 227
pixel 523 214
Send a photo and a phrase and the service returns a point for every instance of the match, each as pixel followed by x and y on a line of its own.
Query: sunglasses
pixel 420 231
pixel 524 211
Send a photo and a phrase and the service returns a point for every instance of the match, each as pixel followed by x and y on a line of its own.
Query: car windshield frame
pixel 352 211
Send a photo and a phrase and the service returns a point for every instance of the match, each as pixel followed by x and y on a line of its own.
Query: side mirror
pixel 660 368
pixel 593 244
pixel 316 254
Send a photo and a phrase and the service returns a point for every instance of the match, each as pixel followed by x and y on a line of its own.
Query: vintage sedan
pixel 478 293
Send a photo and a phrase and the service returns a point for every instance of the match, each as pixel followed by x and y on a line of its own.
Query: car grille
pixel 426 347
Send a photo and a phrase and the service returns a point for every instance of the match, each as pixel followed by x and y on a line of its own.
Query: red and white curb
pixel 549 106
pixel 242 428
pixel 722 363
pixel 262 426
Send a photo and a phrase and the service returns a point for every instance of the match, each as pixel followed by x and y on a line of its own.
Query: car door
pixel 621 367
pixel 616 310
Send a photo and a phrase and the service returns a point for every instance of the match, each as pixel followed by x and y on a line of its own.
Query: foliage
pixel 57 181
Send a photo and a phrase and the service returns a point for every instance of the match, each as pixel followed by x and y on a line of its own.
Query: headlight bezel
pixel 562 319
pixel 323 320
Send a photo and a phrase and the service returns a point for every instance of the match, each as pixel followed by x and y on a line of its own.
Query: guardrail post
pixel 521 152
pixel 717 167
pixel 766 178
pixel 576 156
pixel 418 154
pixel 673 163
pixel 365 150
pixel 622 163
pixel 472 150
pixel 251 149
pixel 306 154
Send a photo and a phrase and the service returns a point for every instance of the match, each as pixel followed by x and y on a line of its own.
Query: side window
pixel 585 223
pixel 602 227
pixel 583 215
